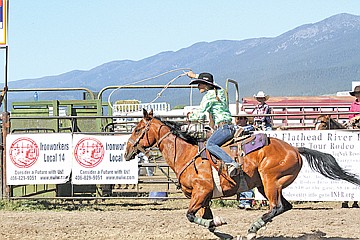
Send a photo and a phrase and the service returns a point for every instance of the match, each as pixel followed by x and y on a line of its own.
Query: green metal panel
pixel 40 190
pixel 53 108
pixel 56 108
pixel 31 109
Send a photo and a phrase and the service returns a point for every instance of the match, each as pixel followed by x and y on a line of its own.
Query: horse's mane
pixel 175 129
pixel 331 122
pixel 336 123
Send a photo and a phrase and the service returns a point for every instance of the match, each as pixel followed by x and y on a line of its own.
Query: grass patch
pixel 39 205
pixel 99 205
pixel 24 205
pixel 219 203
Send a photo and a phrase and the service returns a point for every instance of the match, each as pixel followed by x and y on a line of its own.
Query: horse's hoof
pixel 242 238
pixel 218 221
pixel 251 236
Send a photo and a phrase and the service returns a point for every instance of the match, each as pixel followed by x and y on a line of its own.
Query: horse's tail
pixel 327 165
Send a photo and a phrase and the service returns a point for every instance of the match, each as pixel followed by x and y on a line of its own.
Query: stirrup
pixel 232 170
pixel 239 132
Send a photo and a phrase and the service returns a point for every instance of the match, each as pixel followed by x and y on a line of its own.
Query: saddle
pixel 239 146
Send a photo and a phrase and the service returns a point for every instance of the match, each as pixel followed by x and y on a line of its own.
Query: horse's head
pixel 322 122
pixel 142 136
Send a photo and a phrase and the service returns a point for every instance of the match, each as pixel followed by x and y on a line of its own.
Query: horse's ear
pixel 147 115
pixel 151 113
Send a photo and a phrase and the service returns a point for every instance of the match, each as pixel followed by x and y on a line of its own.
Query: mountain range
pixel 321 58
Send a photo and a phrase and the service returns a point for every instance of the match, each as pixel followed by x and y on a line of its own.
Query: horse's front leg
pixel 205 212
pixel 200 202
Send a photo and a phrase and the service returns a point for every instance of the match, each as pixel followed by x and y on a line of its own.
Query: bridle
pixel 145 129
pixel 330 123
pixel 319 123
pixel 137 147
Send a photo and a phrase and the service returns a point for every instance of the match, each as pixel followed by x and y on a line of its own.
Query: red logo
pixel 89 152
pixel 24 152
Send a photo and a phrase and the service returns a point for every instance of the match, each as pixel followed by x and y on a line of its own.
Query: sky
pixel 51 37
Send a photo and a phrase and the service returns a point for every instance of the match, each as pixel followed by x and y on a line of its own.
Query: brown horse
pixel 325 122
pixel 270 169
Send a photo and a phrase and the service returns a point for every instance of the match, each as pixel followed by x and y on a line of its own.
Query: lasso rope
pixel 147 79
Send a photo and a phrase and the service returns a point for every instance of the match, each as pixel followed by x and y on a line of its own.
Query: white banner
pixel 38 158
pixel 94 159
pixel 312 186
pixel 100 160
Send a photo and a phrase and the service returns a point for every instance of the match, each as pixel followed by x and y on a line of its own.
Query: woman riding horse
pixel 270 169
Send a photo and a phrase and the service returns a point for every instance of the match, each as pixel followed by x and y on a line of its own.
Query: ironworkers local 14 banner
pixel 50 158
pixel 100 160
pixel 38 158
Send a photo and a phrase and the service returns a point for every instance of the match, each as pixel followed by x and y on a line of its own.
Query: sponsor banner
pixel 94 159
pixel 312 186
pixel 38 158
pixel 100 160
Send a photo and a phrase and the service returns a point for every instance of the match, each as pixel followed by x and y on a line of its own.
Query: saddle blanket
pixel 259 140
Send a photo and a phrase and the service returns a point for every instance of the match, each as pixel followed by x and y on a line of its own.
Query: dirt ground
pixel 139 219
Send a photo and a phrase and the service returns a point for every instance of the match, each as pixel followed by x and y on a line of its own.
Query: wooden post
pixel 5 191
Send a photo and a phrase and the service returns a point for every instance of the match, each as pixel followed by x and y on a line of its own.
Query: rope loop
pixel 150 78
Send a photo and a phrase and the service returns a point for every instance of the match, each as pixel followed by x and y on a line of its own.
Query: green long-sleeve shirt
pixel 217 109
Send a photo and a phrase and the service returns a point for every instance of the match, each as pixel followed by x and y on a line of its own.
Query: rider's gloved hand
pixel 355 119
pixel 191 74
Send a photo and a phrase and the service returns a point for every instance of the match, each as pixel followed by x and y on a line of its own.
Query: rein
pixel 135 143
pixel 136 147
pixel 322 122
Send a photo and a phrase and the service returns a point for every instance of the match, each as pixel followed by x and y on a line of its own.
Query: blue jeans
pixel 247 194
pixel 267 127
pixel 218 138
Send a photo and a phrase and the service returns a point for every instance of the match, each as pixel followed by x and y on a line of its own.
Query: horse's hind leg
pixel 278 205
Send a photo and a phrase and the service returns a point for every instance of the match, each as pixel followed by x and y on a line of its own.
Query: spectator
pixel 245 198
pixel 353 118
pixel 262 122
pixel 243 121
pixel 142 158
pixel 355 105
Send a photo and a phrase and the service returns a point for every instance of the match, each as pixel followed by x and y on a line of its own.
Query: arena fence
pixel 85 117
pixel 162 180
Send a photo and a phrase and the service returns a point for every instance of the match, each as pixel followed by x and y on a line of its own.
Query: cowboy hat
pixel 356 90
pixel 243 115
pixel 261 94
pixel 205 78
